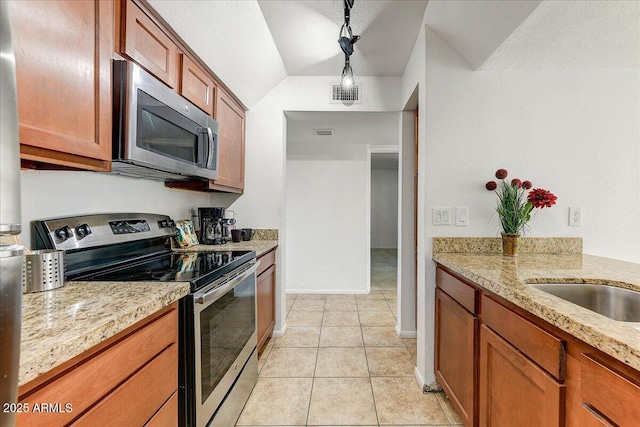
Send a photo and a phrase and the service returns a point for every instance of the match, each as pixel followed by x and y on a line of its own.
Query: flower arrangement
pixel 514 205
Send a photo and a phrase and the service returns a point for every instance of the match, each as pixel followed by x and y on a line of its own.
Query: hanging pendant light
pixel 347 81
pixel 346 40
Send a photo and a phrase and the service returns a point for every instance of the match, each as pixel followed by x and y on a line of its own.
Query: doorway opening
pixel 384 222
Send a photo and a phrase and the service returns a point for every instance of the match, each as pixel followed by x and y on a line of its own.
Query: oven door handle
pixel 214 294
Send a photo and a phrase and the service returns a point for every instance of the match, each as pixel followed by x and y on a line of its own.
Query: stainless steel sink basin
pixel 611 301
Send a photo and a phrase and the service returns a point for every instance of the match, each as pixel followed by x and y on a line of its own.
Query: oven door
pixel 225 338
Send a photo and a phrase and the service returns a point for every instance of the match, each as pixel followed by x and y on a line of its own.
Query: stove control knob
pixel 83 230
pixel 63 233
pixel 163 223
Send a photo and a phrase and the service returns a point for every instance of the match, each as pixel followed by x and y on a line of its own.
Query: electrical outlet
pixel 441 216
pixel 575 217
pixel 462 216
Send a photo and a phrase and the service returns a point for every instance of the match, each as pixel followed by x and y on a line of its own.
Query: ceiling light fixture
pixel 346 40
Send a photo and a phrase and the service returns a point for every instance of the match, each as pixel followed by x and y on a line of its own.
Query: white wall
pixel 47 194
pixel 575 132
pixel 326 229
pixel 264 199
pixel 384 208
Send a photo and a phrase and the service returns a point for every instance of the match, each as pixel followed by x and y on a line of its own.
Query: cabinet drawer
pixel 608 392
pixel 266 261
pixel 167 415
pixel 90 381
pixel 543 348
pixel 464 294
pixel 135 401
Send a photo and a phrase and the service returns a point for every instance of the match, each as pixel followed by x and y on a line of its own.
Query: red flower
pixel 515 182
pixel 527 185
pixel 491 185
pixel 501 173
pixel 540 198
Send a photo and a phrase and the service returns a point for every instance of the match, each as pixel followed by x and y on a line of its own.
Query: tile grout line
pixel 315 367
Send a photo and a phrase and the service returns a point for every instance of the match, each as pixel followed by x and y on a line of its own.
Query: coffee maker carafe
pixel 211 226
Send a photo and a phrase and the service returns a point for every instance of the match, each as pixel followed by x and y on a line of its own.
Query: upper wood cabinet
pixel 197 86
pixel 230 116
pixel 63 55
pixel 145 42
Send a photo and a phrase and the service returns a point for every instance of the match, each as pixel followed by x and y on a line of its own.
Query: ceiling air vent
pixel 339 95
pixel 324 132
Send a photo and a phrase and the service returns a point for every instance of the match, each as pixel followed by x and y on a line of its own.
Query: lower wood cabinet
pixel 265 290
pixel 130 379
pixel 514 391
pixel 529 372
pixel 455 358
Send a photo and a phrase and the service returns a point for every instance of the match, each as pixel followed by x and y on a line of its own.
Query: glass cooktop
pixel 198 268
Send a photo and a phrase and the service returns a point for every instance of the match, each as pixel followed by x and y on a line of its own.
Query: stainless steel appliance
pixel 212 226
pixel 11 255
pixel 157 134
pixel 218 338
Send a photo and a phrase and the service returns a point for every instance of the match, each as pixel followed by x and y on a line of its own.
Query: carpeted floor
pixel 384 269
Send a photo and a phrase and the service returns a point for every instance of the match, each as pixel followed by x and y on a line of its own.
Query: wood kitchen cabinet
pixel 129 379
pixel 514 391
pixel 456 327
pixel 529 372
pixel 143 41
pixel 230 116
pixel 63 55
pixel 197 86
pixel 265 290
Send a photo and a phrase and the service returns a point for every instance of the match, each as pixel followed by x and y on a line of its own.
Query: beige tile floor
pixel 341 363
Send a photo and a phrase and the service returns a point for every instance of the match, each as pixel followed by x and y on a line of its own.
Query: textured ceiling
pixel 350 128
pixel 232 38
pixel 572 35
pixel 475 29
pixel 306 35
pixel 253 45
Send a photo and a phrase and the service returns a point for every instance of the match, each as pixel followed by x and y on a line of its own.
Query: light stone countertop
pixel 260 246
pixel 60 324
pixel 509 277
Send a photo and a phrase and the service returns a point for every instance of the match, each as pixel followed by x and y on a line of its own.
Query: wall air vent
pixel 324 132
pixel 339 95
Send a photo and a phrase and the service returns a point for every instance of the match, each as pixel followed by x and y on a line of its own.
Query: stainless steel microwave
pixel 158 134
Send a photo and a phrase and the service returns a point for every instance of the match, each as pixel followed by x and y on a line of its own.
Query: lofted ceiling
pixel 253 45
pixel 306 35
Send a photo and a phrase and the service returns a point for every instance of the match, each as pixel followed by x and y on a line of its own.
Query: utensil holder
pixel 42 270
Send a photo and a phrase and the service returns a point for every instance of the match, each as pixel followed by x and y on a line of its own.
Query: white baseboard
pixel 408 334
pixel 419 378
pixel 326 291
pixel 279 333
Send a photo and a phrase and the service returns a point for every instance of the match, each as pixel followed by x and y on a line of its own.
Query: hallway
pixel 341 363
pixel 384 269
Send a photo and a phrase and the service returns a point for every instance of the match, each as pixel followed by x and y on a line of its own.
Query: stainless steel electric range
pixel 217 341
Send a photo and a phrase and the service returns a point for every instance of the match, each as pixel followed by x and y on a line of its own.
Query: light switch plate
pixel 441 216
pixel 462 217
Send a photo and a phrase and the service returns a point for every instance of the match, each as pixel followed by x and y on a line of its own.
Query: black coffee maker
pixel 211 220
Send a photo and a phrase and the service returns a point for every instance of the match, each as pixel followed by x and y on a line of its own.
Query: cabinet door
pixel 513 390
pixel 63 67
pixel 266 304
pixel 197 86
pixel 149 46
pixel 455 355
pixel 230 116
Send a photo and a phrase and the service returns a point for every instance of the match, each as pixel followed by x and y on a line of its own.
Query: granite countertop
pixel 60 324
pixel 260 246
pixel 509 277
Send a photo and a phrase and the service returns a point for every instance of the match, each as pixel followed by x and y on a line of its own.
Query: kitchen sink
pixel 616 303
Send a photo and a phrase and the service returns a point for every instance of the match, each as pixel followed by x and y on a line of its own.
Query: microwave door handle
pixel 211 149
